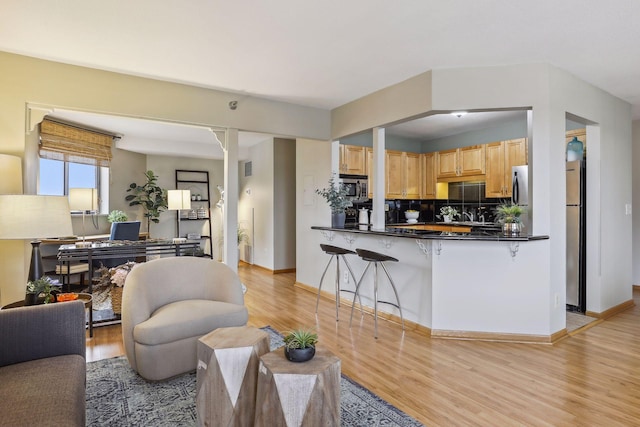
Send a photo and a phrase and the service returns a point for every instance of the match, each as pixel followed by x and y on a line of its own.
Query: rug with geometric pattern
pixel 117 396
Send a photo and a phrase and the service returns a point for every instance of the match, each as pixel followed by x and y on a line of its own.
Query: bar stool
pixel 337 253
pixel 376 258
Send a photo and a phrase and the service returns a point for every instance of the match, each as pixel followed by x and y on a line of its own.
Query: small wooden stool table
pixel 298 394
pixel 226 379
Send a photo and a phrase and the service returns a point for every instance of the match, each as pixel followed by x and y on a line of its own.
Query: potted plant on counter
pixel 508 215
pixel 336 196
pixel 300 345
pixel 448 213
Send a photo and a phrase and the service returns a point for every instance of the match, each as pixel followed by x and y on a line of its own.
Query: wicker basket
pixel 116 299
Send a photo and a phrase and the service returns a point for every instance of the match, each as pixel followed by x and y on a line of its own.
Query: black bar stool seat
pixel 376 258
pixel 337 253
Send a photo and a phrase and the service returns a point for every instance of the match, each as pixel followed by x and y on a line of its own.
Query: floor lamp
pixel 83 199
pixel 34 217
pixel 178 200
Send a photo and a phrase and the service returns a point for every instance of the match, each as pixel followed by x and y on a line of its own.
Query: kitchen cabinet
pixel 460 162
pixel 352 159
pixel 403 175
pixel 501 156
pixel 429 175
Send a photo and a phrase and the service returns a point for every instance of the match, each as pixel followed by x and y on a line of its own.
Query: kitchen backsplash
pixel 466 197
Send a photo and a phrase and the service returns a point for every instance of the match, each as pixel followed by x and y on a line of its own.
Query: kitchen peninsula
pixel 467 285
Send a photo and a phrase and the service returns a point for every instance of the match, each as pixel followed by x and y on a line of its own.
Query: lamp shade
pixel 83 199
pixel 34 217
pixel 179 199
pixel 11 167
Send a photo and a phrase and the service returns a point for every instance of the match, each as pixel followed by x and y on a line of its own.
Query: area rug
pixel 117 396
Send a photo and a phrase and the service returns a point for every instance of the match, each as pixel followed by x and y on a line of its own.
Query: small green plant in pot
pixel 35 288
pixel 300 345
pixel 508 215
pixel 448 213
pixel 117 216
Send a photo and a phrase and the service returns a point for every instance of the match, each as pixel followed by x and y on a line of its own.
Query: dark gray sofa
pixel 42 365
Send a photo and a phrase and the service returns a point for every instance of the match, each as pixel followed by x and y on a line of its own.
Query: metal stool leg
pixel 355 282
pixel 393 286
pixel 353 305
pixel 321 279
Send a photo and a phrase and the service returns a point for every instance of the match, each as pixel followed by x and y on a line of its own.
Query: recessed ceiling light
pixel 459 113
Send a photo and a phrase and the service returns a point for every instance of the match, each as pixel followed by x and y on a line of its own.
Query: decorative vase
pixel 447 218
pixel 299 354
pixel 31 299
pixel 337 219
pixel 511 228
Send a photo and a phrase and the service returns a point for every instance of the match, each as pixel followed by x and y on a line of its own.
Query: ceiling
pixel 325 54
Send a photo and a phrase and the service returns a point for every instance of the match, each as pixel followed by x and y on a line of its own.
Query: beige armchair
pixel 168 304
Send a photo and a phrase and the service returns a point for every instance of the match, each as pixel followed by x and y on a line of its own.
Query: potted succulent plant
pixel 336 196
pixel 38 287
pixel 448 213
pixel 509 216
pixel 300 345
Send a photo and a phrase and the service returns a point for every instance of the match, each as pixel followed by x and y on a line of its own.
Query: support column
pixel 230 211
pixel 377 216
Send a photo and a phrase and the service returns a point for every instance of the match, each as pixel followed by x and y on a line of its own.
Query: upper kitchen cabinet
pixel 460 162
pixel 429 175
pixel 352 159
pixel 403 175
pixel 369 167
pixel 501 157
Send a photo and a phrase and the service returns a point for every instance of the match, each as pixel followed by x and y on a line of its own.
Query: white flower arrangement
pixel 448 211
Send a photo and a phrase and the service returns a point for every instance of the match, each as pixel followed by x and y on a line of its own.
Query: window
pixel 73 157
pixel 56 177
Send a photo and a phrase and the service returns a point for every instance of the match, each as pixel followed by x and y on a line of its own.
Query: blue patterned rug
pixel 117 396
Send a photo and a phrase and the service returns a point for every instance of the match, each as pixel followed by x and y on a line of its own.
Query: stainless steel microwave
pixel 357 186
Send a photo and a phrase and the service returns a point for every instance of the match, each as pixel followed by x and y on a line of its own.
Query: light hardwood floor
pixel 591 378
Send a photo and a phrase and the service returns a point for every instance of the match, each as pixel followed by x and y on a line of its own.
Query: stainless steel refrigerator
pixel 520 194
pixel 576 236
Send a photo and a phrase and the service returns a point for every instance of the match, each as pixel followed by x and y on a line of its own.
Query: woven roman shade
pixel 59 141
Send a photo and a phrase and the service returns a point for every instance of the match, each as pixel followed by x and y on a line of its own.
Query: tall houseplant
pixel 150 196
pixel 336 196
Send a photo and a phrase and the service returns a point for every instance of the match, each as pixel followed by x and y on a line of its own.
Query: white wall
pixel 636 202
pixel 313 170
pixel 261 201
pixel 284 204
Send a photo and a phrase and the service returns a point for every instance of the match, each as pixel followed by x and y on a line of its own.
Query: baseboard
pixel 612 311
pixel 284 270
pixel 499 337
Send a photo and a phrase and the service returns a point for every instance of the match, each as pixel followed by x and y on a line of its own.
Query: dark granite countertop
pixel 400 231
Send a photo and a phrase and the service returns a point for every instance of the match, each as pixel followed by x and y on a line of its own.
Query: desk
pixel 122 249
